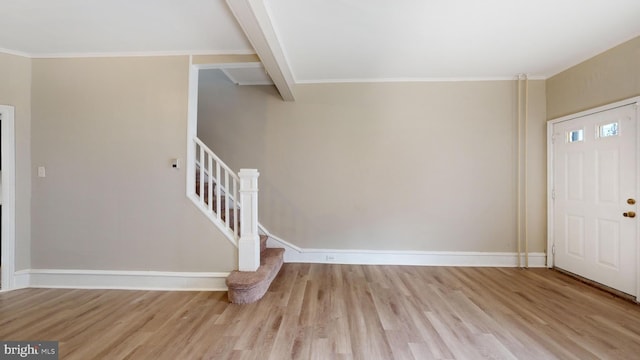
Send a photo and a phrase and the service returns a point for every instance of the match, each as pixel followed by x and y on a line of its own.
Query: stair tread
pixel 270 262
pixel 263 243
pixel 250 286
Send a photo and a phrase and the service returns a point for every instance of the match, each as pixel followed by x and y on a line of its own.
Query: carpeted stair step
pixel 250 286
pixel 263 243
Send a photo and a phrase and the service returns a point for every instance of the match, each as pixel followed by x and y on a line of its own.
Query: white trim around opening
pixel 7 122
pixel 550 178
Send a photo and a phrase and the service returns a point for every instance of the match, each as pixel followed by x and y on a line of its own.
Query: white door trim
pixel 550 176
pixel 8 197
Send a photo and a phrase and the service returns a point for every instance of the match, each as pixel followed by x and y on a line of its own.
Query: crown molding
pixel 417 79
pixel 73 55
pixel 14 52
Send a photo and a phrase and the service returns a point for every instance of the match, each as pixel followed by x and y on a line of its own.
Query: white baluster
pixel 227 203
pixel 201 177
pixel 218 190
pixel 236 229
pixel 210 184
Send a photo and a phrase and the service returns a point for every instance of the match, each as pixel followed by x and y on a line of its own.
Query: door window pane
pixel 575 135
pixel 608 130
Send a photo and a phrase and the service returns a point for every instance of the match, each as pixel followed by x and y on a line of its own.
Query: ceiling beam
pixel 256 24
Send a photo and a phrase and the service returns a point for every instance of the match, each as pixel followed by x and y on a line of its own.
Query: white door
pixel 595 194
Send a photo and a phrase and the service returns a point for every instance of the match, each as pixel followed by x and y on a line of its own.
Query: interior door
pixel 594 197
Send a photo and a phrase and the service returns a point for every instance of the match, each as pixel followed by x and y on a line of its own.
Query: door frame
pixel 8 197
pixel 550 177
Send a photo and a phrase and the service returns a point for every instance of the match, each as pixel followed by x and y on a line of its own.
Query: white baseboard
pixel 215 281
pixel 21 279
pixel 294 254
pixel 129 280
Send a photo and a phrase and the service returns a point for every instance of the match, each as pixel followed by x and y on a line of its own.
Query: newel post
pixel 249 243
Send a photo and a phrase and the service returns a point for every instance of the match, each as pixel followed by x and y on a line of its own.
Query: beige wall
pixel 15 90
pixel 609 77
pixel 401 166
pixel 388 166
pixel 106 130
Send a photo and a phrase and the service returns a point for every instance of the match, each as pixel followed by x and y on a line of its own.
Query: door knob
pixel 631 201
pixel 630 214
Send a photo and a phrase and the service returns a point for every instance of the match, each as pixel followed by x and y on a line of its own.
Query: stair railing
pixel 229 200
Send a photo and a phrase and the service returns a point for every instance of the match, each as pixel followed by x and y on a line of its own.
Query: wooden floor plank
pixel 316 311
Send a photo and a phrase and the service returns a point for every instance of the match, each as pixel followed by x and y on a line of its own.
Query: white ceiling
pixel 84 27
pixel 338 40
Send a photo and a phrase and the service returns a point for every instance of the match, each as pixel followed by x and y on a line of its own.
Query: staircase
pixel 219 197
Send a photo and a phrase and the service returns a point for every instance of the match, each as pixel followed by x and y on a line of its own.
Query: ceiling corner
pixel 253 17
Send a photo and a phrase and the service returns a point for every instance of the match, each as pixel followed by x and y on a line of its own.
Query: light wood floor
pixel 339 312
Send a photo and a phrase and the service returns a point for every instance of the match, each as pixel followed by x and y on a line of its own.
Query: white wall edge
pixel 550 200
pixel 294 254
pixel 8 190
pixel 125 53
pixel 125 280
